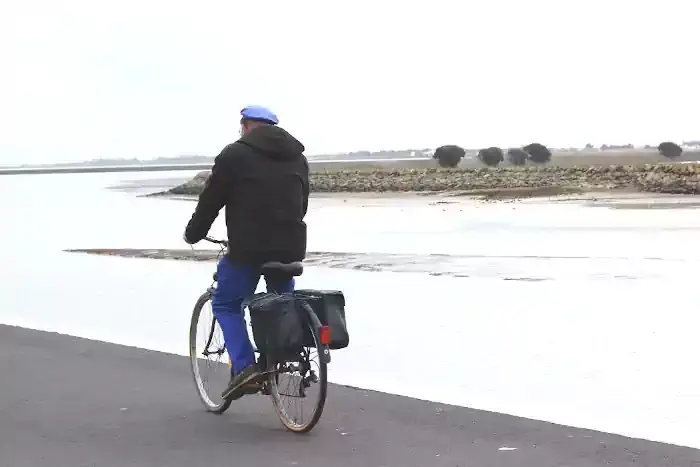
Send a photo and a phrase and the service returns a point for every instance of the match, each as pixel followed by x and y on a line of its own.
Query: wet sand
pixel 519 268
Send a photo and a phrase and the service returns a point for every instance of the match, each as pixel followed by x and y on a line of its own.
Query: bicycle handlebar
pixel 218 242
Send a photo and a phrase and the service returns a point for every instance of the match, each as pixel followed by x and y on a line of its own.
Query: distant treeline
pixel 450 155
pixel 393 154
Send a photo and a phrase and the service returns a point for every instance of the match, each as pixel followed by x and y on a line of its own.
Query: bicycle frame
pixel 324 351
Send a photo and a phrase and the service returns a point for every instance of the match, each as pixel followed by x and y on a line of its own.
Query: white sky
pixel 84 79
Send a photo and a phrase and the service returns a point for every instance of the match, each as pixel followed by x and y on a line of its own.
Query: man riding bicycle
pixel 263 181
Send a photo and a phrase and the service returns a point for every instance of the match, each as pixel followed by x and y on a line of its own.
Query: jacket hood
pixel 274 142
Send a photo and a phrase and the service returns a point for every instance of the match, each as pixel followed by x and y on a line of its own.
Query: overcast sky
pixel 85 79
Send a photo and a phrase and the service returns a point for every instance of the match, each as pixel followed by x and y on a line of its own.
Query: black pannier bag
pixel 278 328
pixel 329 306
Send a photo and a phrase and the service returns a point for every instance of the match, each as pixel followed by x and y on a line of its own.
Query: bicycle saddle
pixel 293 269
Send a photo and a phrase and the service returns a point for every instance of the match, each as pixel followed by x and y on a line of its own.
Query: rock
pixel 194 186
pixel 202 176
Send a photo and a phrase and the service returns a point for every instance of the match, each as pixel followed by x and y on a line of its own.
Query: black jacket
pixel 263 181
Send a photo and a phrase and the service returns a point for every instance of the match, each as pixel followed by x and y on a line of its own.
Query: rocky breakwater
pixel 660 178
pixel 669 178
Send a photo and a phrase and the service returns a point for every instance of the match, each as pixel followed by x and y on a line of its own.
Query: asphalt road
pixel 69 402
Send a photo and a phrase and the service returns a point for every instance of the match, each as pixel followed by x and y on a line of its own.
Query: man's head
pixel 255 116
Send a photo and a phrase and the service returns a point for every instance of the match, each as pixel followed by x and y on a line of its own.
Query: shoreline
pixel 496 182
pixel 458 265
pixel 612 198
pixel 479 194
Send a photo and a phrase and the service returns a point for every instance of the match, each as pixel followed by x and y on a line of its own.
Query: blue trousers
pixel 236 282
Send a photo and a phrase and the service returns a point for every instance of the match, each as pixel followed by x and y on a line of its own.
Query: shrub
pixel 539 154
pixel 670 150
pixel 491 156
pixel 449 155
pixel 517 156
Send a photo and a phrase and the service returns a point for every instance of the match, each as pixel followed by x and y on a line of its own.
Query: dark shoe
pixel 243 383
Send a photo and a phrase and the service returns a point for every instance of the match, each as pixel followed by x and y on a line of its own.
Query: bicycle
pixel 274 368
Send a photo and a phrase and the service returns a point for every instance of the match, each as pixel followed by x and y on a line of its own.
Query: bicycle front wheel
pixel 298 387
pixel 209 360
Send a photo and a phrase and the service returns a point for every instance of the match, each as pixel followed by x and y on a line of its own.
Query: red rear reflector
pixel 324 335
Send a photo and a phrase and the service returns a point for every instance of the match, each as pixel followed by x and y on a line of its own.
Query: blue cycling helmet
pixel 259 114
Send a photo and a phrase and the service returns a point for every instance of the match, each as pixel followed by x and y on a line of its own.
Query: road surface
pixel 69 402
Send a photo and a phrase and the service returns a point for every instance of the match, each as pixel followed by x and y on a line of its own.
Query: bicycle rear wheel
pixel 291 381
pixel 209 360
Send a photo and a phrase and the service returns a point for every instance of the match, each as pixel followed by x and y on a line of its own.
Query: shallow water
pixel 608 341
